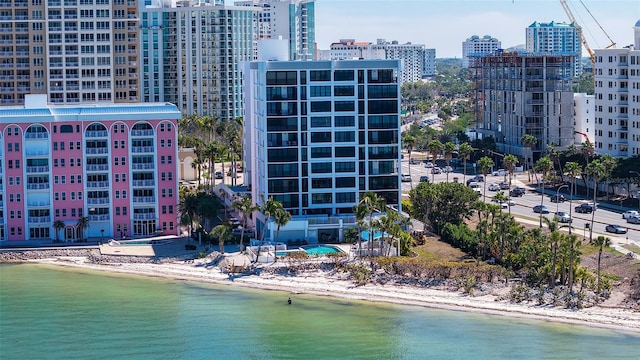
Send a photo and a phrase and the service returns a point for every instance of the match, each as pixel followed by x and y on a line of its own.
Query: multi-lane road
pixel 523 210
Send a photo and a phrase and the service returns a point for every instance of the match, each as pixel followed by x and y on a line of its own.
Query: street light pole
pixel 558 196
pixel 638 192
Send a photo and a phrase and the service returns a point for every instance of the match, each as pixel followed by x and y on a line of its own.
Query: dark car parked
pixel 558 198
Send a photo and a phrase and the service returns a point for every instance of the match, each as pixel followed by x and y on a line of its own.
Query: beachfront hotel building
pixel 556 38
pixel 291 20
pixel 71 50
pixel 519 94
pixel 617 99
pixel 113 164
pixel 319 134
pixel 477 45
pixel 191 53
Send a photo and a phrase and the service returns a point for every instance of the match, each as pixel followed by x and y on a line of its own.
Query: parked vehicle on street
pixel 428 164
pixel 424 178
pixel 477 178
pixel 414 161
pixel 447 169
pixel 503 186
pixel 494 187
pixel 585 208
pixel 405 178
pixel 563 217
pixel 616 229
pixel 499 172
pixel 436 170
pixel 540 209
pixel 630 213
pixel 558 198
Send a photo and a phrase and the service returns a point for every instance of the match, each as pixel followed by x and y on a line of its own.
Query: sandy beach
pixel 337 285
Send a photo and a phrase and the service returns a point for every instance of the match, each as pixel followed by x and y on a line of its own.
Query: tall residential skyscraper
pixel 558 39
pixel 113 165
pixel 521 94
pixel 72 50
pixel 191 56
pixel 319 134
pixel 292 20
pixel 617 99
pixel 476 45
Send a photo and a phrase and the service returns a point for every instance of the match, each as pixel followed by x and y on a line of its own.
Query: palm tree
pixel 82 224
pixel 572 169
pixel 485 164
pixel 268 208
pixel 435 147
pixel 372 202
pixel 246 206
pixel 409 142
pixel 189 207
pixel 528 141
pixel 58 225
pixel 543 165
pixel 360 211
pixel 554 156
pixel 596 171
pixel 222 232
pixel 601 242
pixel 588 151
pixel 464 152
pixel 555 240
pixel 281 217
pixel 609 164
pixel 573 244
pixel 509 163
pixel 449 148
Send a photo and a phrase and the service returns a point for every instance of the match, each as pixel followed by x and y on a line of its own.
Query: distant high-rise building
pixel 292 20
pixel 73 51
pixel 417 62
pixel 318 135
pixel 617 99
pixel 519 94
pixel 476 45
pixel 191 56
pixel 556 38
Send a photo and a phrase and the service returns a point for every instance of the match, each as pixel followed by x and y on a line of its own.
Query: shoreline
pixel 318 283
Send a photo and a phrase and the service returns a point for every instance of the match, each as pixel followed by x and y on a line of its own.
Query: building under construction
pixel 524 93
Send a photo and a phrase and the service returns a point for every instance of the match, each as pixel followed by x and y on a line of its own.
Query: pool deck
pixel 174 248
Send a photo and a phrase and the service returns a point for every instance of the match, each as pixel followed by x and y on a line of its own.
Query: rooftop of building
pixel 555 24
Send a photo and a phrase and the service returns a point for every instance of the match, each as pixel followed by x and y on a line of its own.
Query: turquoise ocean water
pixel 54 313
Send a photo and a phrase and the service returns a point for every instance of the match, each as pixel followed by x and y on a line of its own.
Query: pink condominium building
pixel 102 171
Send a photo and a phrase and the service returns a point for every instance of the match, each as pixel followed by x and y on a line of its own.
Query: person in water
pixel 289 301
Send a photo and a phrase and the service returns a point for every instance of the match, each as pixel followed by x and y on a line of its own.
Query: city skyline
pixel 411 21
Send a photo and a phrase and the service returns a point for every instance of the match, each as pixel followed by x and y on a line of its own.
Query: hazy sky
pixel 444 24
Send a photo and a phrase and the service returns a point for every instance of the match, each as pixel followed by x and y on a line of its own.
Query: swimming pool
pixel 139 242
pixel 313 250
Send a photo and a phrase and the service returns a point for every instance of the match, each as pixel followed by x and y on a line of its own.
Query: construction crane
pixel 592 55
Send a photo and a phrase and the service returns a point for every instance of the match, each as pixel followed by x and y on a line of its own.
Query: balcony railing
pixel 104 167
pixel 39 186
pixel 97 133
pixel 141 132
pixel 39 219
pixel 98 218
pixel 139 183
pixel 144 199
pixel 90 151
pixel 142 149
pixel 147 216
pixel 97 184
pixel 38 169
pixel 97 201
pixel 144 166
pixel 38 204
pixel 36 135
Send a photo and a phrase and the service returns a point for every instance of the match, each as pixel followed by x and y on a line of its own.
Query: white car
pixel 428 164
pixel 494 187
pixel 630 213
pixel 500 172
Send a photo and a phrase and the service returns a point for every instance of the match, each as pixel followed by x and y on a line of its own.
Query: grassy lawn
pixel 435 250
pixel 632 247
